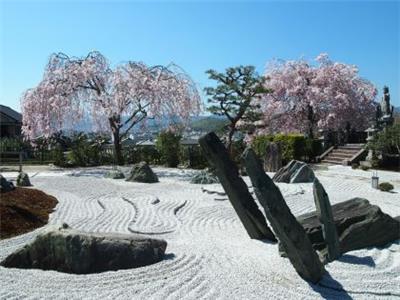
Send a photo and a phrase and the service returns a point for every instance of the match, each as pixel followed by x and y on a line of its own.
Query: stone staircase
pixel 342 155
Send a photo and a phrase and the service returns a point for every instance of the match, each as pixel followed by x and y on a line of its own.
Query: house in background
pixel 10 122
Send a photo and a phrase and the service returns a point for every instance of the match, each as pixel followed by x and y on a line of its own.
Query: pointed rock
pixel 289 232
pixel 325 216
pixel 228 174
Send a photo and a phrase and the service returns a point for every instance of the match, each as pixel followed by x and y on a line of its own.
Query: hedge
pixel 294 146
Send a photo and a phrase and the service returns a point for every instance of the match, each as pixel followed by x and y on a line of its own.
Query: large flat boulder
pixel 142 172
pixel 358 224
pixel 71 251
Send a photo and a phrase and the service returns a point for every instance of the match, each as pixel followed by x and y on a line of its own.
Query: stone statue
pixel 384 111
pixel 386 108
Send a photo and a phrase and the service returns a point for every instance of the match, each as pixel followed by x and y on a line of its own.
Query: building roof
pixel 9 112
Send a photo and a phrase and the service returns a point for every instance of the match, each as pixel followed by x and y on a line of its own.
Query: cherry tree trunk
pixel 119 159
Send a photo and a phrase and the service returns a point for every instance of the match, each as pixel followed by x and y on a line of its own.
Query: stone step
pixel 345 151
pixel 340 153
pixel 338 158
pixel 334 162
pixel 349 149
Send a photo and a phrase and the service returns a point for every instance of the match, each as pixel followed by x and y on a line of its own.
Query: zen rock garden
pixel 200 150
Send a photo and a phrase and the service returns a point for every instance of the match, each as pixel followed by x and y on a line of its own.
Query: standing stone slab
pixel 273 157
pixel 325 216
pixel 290 233
pixel 228 174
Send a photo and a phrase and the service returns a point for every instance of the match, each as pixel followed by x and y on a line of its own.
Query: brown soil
pixel 23 210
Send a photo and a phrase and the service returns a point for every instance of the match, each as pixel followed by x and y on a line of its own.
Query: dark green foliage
pixel 385 186
pixel 388 140
pixel 313 148
pixel 204 177
pixel 260 143
pixel 354 166
pixel 233 96
pixel 294 146
pixel 136 154
pixel 59 158
pixel 87 150
pixel 193 157
pixel 13 144
pixel 237 150
pixel 168 145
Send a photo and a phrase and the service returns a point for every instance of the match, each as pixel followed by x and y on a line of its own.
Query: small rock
pixel 5 185
pixel 294 172
pixel 114 174
pixel 155 201
pixel 23 179
pixel 142 172
pixel 303 174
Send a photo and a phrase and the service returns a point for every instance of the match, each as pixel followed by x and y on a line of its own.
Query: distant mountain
pixel 208 123
pixel 397 110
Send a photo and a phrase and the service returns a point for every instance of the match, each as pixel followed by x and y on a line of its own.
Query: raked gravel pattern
pixel 209 255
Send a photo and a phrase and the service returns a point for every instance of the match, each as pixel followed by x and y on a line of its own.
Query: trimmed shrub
pixel 385 186
pixel 136 154
pixel 204 177
pixel 193 157
pixel 294 146
pixel 168 145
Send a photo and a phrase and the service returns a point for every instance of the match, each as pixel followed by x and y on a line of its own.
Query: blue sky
pixel 198 36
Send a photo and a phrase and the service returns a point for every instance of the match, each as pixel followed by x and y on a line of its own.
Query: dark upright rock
pixel 358 224
pixel 289 232
pixel 325 216
pixel 227 172
pixel 273 157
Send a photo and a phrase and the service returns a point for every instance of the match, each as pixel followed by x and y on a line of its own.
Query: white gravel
pixel 209 254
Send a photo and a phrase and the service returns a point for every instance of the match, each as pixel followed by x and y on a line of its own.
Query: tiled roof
pixel 11 113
